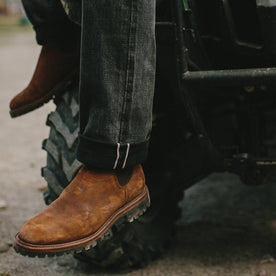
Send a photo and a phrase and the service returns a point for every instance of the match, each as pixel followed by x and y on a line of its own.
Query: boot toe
pixel 21 99
pixel 32 233
pixel 45 231
pixel 39 233
pixel 25 97
pixel 15 102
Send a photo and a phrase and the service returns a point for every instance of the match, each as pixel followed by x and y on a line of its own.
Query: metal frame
pixel 231 77
pixel 239 164
pixel 217 77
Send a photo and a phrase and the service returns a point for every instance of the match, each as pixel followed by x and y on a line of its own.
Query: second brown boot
pixel 54 69
pixel 85 211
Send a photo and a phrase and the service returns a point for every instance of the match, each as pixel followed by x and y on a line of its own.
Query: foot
pixel 85 211
pixel 54 68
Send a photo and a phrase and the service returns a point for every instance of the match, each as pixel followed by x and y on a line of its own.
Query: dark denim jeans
pixel 117 73
pixel 51 23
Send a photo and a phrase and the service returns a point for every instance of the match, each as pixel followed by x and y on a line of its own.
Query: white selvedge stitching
pixel 118 156
pixel 127 151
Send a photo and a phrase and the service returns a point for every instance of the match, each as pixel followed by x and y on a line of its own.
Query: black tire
pixel 61 144
pixel 135 244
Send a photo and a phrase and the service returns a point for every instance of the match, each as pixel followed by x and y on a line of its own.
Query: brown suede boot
pixel 84 212
pixel 54 68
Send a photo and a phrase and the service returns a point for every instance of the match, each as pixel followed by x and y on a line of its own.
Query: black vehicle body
pixel 225 53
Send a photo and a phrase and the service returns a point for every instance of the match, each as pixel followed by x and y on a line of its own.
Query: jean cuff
pixel 66 35
pixel 111 156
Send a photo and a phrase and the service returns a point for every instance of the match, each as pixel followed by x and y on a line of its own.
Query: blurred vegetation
pixel 4 273
pixel 12 17
pixel 14 23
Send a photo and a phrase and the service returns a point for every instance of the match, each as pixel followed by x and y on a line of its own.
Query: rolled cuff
pixel 111 156
pixel 66 35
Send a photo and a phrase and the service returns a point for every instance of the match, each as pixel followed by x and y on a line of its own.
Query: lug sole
pixel 126 214
pixel 56 91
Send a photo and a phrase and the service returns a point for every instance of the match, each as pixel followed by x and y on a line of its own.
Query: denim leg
pixel 116 81
pixel 51 23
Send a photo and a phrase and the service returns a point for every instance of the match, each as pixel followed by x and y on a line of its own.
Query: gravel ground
pixel 226 227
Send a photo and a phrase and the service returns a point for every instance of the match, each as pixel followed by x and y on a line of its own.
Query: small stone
pixel 4 248
pixel 9 243
pixel 63 262
pixel 43 189
pixel 267 259
pixel 262 273
pixel 66 261
pixel 58 268
pixel 3 205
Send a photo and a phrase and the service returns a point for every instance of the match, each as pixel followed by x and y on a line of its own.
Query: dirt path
pixel 218 234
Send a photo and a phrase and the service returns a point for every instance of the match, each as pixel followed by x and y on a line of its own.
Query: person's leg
pixel 59 58
pixel 51 23
pixel 117 82
pixel 116 91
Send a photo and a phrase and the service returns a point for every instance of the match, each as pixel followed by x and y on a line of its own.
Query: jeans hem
pixel 111 156
pixel 66 36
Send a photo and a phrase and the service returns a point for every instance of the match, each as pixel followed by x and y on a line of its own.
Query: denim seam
pixel 129 70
